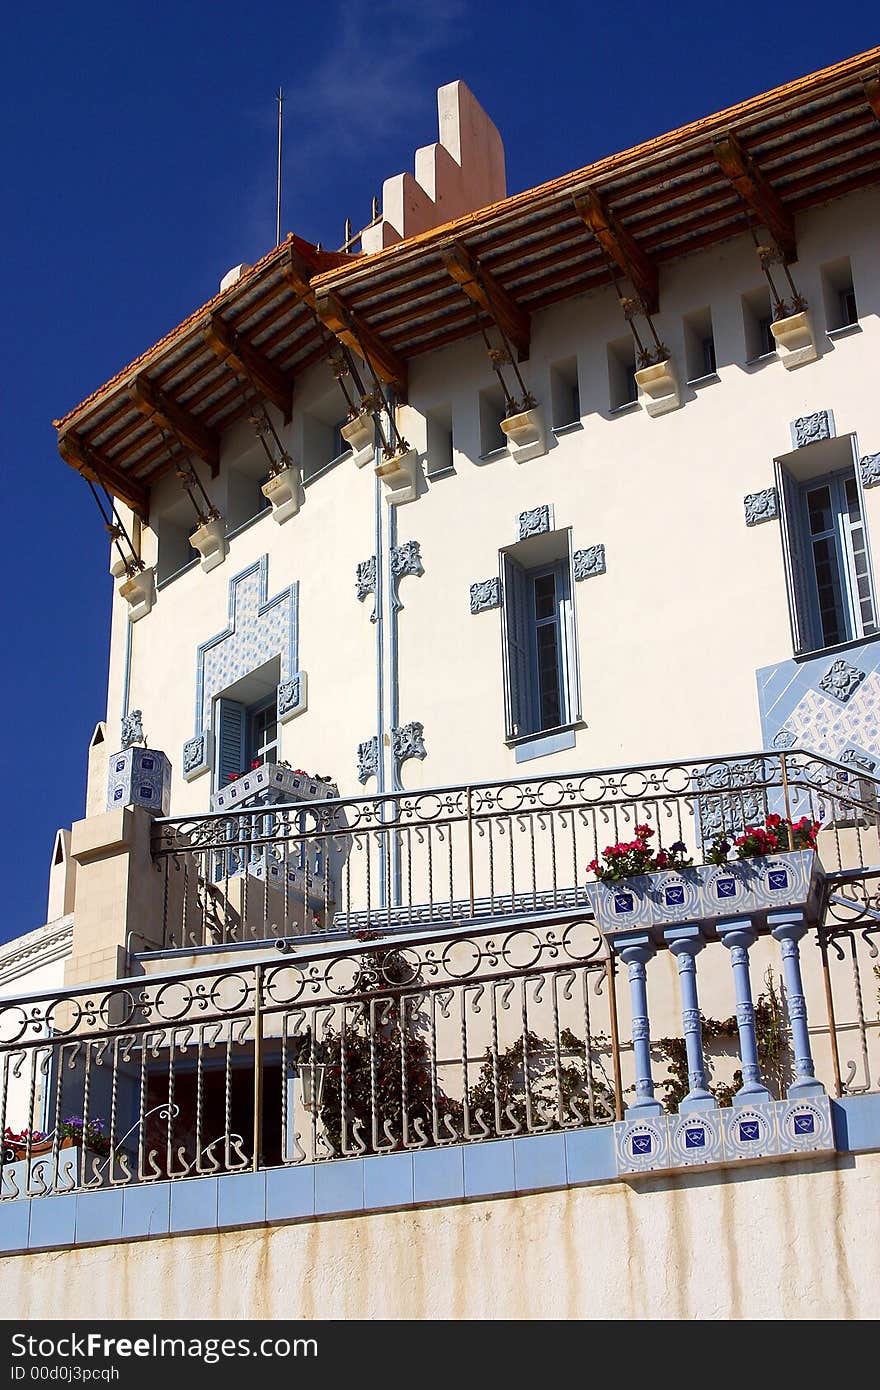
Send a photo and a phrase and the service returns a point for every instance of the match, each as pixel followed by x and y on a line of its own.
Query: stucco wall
pixel 794 1241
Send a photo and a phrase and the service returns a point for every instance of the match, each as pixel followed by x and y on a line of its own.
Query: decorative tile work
pixel 796 703
pixel 642 1145
pixel 535 522
pixel 841 679
pixel 695 1139
pixel 589 562
pixel 485 594
pixel 869 467
pixel 859 759
pixel 761 506
pixel 408 741
pixel 368 759
pixel 810 429
pixel 404 559
pixel 259 629
pixel 132 728
pixel 365 578
pixel 139 777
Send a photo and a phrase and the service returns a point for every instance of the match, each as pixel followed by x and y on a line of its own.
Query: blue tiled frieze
pixel 259 628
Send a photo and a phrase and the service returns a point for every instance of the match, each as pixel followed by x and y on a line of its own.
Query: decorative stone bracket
pixel 658 384
pixel 139 592
pixel 400 474
pixel 795 340
pixel 210 541
pixel 525 434
pixel 285 491
pixel 360 435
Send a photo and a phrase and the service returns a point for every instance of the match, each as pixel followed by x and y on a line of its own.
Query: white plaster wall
pixel 693 600
pixel 795 1241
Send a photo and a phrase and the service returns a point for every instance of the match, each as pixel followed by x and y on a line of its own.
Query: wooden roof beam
pixel 92 464
pixel 755 191
pixel 355 334
pixel 621 246
pixel 236 352
pixel 872 92
pixel 163 411
pixel 483 289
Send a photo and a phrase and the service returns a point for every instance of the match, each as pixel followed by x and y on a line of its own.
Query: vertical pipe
pixel 280 101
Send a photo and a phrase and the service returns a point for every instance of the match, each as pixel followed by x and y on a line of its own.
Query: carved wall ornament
pixel 811 429
pixel 589 562
pixel 405 559
pixel 368 759
pixel 535 522
pixel 761 506
pixel 291 696
pixel 485 594
pixel 365 578
pixel 784 739
pixel 869 467
pixel 408 741
pixel 195 754
pixel 132 728
pixel 841 679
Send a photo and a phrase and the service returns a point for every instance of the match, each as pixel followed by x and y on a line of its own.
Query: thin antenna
pixel 280 101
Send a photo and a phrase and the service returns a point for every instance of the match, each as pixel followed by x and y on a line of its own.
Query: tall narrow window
pixel 832 589
pixel 699 342
pixel 246 734
pixel 540 656
pixel 841 307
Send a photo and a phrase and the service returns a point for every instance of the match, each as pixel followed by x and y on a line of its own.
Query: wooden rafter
pixel 163 411
pixel 483 289
pixel 755 191
pixel 92 464
pixel 621 246
pixel 872 92
pixel 230 347
pixel 354 333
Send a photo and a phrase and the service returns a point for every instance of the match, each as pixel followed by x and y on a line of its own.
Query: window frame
pixel 797 540
pixel 523 653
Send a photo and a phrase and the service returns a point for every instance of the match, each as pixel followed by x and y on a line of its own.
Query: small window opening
pixel 565 396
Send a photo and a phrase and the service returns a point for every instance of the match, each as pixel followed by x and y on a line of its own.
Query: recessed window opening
pixel 699 345
pixel 841 307
pixel 541 668
pixel 246 730
pixel 439 440
pixel 565 396
pixel 493 409
pixel 622 384
pixel 757 319
pixel 173 524
pixel 323 444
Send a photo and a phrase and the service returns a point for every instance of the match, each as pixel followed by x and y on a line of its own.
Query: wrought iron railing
pixel 471 853
pixel 376 1046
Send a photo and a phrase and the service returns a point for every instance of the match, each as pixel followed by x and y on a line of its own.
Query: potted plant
pixel 283 488
pixel 359 433
pixel 775 865
pixel 209 539
pixel 524 431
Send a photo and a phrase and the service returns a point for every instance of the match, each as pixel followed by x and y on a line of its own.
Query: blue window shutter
pixel 797 563
pixel 517 648
pixel 231 728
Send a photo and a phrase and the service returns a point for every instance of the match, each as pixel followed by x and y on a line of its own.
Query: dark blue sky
pixel 139 165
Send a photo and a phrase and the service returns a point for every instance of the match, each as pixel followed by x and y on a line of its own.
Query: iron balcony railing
pixel 444 856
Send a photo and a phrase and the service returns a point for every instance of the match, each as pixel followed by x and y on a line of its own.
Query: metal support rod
pixel 258 1067
pixel 470 836
pixel 832 1022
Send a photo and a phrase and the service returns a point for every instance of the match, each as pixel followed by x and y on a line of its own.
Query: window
pixel 565 396
pixel 841 308
pixel 757 318
pixel 439 441
pixel 622 384
pixel 493 409
pixel 245 735
pixel 827 558
pixel 699 345
pixel 539 639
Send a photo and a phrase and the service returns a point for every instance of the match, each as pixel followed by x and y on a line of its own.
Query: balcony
pixel 441 984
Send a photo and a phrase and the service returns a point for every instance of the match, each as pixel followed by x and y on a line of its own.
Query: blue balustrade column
pixel 738 937
pixel 788 930
pixel 685 943
pixel 635 950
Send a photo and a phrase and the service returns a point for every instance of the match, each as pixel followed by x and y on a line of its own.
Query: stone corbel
pixel 400 474
pixel 359 434
pixel 795 340
pixel 139 592
pixel 285 491
pixel 658 384
pixel 525 434
pixel 209 539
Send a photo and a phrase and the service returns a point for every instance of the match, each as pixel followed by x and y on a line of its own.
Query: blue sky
pixel 139 165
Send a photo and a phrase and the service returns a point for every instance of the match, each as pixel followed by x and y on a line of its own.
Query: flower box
pixel 139 592
pixel 795 340
pixel 399 473
pixel 210 541
pixel 709 892
pixel 359 434
pixel 526 437
pixel 284 491
pixel 659 387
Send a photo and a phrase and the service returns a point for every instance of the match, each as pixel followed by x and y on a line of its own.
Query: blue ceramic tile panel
pixel 539 1162
pixel 590 1155
pixel 807 702
pixel 388 1181
pixel 339 1186
pixel 194 1204
pixel 53 1221
pixel 241 1199
pixel 438 1174
pixel 14 1222
pixel 290 1192
pixel 146 1210
pixel 488 1168
pixel 857 1123
pixel 98 1216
